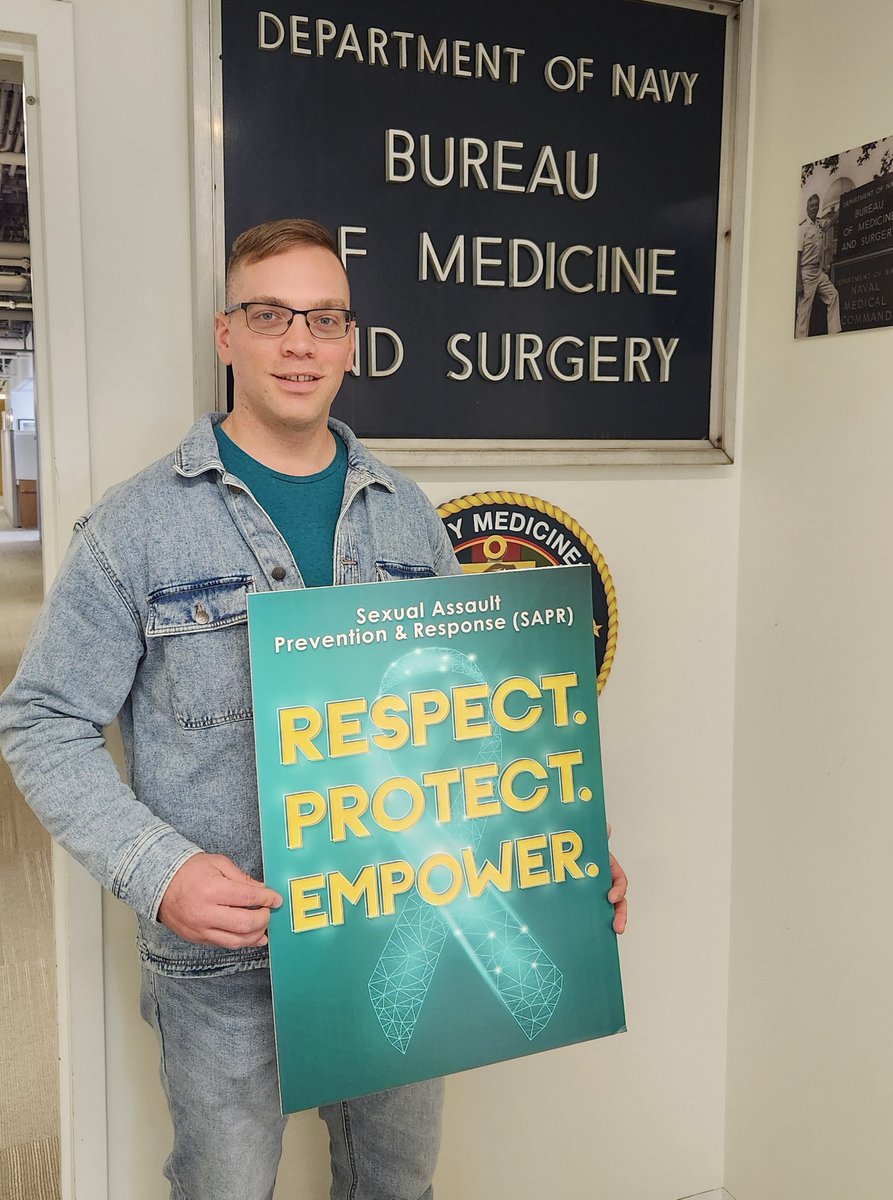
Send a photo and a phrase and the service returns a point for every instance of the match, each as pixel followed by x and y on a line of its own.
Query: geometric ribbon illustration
pixel 526 980
pixel 508 958
pixel 399 984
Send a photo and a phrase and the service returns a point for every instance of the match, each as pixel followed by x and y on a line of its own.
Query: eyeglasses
pixel 274 319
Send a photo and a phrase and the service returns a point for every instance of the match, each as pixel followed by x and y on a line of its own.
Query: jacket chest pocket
pixel 393 571
pixel 202 631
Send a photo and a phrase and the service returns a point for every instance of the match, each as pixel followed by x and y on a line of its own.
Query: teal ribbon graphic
pixel 509 959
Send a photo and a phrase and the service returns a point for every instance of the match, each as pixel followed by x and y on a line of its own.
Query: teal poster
pixel 432 813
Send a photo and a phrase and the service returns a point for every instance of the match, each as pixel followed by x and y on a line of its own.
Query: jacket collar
pixel 198 453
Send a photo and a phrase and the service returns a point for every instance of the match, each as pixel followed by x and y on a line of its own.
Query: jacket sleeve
pixel 74 678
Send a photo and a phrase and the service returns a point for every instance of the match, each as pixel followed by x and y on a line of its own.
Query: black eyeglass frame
pixel 295 312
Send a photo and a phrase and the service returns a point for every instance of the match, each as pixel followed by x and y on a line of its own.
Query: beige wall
pixel 636 1117
pixel 810 1050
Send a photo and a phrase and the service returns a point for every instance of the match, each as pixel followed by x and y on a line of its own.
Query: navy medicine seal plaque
pixel 509 531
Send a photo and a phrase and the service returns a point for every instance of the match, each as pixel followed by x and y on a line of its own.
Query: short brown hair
pixel 275 237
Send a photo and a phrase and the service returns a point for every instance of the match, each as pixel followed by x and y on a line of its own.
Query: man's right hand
pixel 211 901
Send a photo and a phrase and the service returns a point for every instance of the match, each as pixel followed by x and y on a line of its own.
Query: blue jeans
pixel 218 1068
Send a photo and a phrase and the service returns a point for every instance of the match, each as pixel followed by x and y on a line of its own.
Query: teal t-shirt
pixel 304 508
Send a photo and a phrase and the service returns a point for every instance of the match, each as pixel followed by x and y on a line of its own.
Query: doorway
pixel 29 1100
pixel 39 35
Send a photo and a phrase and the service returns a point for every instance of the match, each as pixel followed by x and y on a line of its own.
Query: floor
pixel 29 1100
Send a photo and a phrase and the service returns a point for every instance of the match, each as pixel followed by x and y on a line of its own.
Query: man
pixel 147 622
pixel 811 276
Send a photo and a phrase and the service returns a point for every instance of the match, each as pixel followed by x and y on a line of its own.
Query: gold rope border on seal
pixel 450 507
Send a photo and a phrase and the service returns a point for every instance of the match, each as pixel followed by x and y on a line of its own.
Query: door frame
pixel 41 34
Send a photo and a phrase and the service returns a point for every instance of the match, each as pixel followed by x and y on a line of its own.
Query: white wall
pixel 639 1115
pixel 133 125
pixel 635 1117
pixel 810 1051
pixel 134 164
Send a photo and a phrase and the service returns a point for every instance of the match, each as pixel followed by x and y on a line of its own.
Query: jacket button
pixel 278 573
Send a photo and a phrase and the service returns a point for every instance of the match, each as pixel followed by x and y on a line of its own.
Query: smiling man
pixel 286 378
pixel 147 622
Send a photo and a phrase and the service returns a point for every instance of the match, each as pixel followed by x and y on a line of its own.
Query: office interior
pixel 743 726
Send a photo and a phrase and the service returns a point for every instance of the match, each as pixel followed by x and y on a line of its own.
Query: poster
pixel 432 811
pixel 527 200
pixel 845 242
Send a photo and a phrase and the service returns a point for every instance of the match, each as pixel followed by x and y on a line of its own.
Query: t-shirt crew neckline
pixel 298 480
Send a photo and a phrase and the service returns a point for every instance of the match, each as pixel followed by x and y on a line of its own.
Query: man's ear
pixel 221 338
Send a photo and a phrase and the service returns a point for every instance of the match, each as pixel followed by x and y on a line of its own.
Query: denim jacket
pixel 147 621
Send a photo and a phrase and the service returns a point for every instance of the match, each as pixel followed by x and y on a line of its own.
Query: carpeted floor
pixel 30 1172
pixel 29 1102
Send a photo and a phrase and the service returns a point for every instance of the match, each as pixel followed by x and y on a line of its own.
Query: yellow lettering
pixel 565 761
pixel 426 708
pixel 344 816
pixel 395 878
pixel 517 683
pixel 558 685
pixel 523 766
pixel 468 714
pixel 488 874
pixel 566 847
pixel 306 910
pixel 341 889
pixel 343 726
pixel 301 810
pixel 384 713
pixel 293 739
pixel 477 781
pixel 402 783
pixel 427 892
pixel 531 871
pixel 441 781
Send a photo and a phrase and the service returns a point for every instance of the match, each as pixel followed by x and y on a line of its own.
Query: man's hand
pixel 211 901
pixel 617 894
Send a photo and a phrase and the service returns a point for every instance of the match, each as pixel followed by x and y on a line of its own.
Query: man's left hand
pixel 617 894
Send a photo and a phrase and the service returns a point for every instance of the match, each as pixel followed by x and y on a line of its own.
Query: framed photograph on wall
pixel 541 212
pixel 845 242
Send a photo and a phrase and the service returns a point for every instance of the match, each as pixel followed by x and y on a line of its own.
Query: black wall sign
pixel 527 197
pixel 865 287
